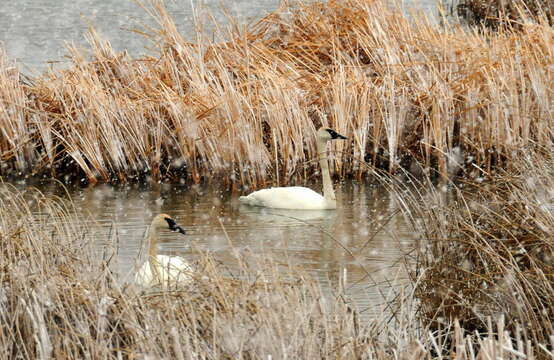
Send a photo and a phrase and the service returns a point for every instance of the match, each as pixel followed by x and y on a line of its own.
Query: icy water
pixel 35 32
pixel 314 241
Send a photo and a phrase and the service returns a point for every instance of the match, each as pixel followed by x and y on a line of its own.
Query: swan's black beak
pixel 174 227
pixel 335 135
pixel 180 229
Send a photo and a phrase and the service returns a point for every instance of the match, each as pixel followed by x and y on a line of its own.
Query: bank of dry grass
pixel 246 109
pixel 488 252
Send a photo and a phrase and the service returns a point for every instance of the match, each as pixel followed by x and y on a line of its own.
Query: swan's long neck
pixel 153 253
pixel 328 192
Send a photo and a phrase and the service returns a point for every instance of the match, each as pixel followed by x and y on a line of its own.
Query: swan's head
pixel 327 134
pixel 164 221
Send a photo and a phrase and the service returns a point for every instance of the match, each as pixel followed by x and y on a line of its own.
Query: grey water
pixel 35 33
pixel 321 243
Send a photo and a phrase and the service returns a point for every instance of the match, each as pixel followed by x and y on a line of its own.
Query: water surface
pixel 35 32
pixel 319 242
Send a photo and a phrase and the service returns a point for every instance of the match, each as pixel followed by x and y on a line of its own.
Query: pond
pixel 35 32
pixel 319 242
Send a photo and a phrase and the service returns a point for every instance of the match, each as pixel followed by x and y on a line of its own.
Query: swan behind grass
pixel 162 270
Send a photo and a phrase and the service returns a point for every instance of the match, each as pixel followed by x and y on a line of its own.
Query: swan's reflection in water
pixel 360 240
pixel 287 216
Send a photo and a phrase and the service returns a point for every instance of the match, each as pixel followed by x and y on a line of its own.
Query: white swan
pixel 162 270
pixel 297 197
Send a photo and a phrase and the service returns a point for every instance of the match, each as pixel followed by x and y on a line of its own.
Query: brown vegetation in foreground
pixel 246 109
pixel 60 299
pixel 489 253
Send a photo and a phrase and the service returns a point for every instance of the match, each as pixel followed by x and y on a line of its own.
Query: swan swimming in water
pixel 298 197
pixel 162 269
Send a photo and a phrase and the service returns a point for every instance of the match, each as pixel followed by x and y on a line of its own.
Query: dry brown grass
pixel 245 110
pixel 488 252
pixel 60 299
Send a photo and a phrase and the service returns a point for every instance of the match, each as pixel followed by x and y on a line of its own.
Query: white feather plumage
pixel 162 270
pixel 172 270
pixel 293 197
pixel 297 197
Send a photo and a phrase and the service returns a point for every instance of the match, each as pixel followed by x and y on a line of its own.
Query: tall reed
pixel 245 109
pixel 488 252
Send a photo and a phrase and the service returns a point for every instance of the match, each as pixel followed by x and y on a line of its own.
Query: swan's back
pixel 172 269
pixel 294 197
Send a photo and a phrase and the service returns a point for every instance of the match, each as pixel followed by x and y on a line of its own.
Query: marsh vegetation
pixel 415 99
pixel 244 104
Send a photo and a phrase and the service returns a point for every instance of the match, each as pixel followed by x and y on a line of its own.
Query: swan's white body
pixel 171 269
pixel 162 270
pixel 297 197
pixel 293 197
